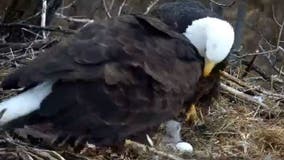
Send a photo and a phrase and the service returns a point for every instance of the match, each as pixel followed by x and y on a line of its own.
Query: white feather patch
pixel 24 103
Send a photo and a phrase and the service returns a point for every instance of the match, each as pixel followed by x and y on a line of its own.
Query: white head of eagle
pixel 213 39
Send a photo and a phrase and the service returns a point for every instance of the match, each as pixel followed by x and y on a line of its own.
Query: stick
pixel 249 67
pixel 234 79
pixel 223 5
pixel 257 70
pixel 29 26
pixel 71 19
pixel 43 17
pixel 141 147
pixel 121 7
pixel 37 44
pixel 259 89
pixel 242 95
pixel 106 9
pixel 152 4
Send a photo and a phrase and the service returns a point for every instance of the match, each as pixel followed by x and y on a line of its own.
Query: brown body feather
pixel 113 79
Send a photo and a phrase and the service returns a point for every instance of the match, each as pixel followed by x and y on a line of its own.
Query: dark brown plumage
pixel 113 79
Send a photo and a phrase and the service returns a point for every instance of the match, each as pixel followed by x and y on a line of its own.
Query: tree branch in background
pixel 43 17
pixel 61 9
pixel 106 9
pixel 152 4
pixel 32 13
pixel 121 7
pixel 231 3
pixel 29 26
pixel 72 19
pixel 274 16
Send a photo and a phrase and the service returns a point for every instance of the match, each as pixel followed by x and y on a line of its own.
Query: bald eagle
pixel 116 78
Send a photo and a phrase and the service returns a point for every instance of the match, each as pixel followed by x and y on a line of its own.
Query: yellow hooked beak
pixel 208 67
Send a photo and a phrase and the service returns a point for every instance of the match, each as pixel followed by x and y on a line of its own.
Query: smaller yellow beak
pixel 208 67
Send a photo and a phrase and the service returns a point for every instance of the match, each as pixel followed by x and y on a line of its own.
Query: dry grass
pixel 241 131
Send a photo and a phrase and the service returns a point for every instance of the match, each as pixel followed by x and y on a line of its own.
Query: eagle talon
pixel 191 115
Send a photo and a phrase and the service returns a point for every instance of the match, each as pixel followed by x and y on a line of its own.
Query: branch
pixel 43 17
pixel 249 66
pixel 280 35
pixel 37 44
pixel 121 7
pixel 234 79
pixel 29 26
pixel 274 16
pixel 223 5
pixel 67 6
pixel 259 53
pixel 276 49
pixel 258 89
pixel 257 70
pixel 152 4
pixel 242 95
pixel 71 19
pixel 106 9
pixel 141 147
pixel 111 5
pixel 24 150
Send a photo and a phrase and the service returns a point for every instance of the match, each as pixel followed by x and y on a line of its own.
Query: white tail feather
pixel 24 103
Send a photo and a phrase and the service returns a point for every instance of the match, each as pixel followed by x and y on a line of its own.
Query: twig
pixel 258 89
pixel 106 9
pixel 67 6
pixel 259 53
pixel 141 147
pixel 279 35
pixel 71 19
pixel 249 66
pixel 121 7
pixel 274 16
pixel 279 70
pixel 111 5
pixel 32 152
pixel 242 95
pixel 43 17
pixel 37 35
pixel 223 5
pixel 152 4
pixel 29 26
pixel 234 79
pixel 257 70
pixel 275 50
pixel 29 18
pixel 37 44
